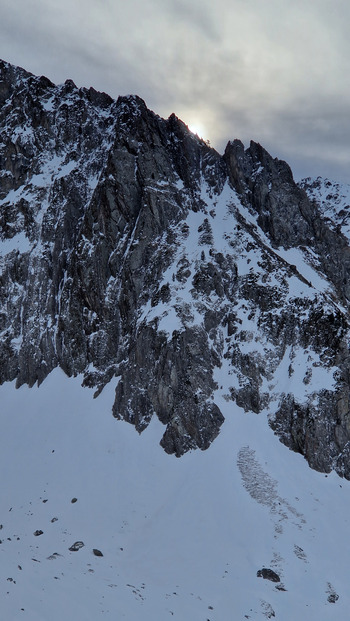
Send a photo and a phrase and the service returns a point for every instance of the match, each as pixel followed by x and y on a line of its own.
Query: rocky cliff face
pixel 131 251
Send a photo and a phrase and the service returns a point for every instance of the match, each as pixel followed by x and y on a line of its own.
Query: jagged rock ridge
pixel 131 249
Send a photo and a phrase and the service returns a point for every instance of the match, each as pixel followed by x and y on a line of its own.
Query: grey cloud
pixel 313 141
pixel 198 14
pixel 273 72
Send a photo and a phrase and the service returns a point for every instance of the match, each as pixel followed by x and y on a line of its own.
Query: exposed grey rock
pixel 332 594
pixel 332 598
pixel 268 574
pixel 76 546
pixel 112 265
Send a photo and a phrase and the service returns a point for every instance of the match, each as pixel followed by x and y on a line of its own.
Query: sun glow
pixel 197 128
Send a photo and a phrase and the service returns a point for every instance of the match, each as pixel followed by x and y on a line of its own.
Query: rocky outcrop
pixel 285 212
pixel 131 251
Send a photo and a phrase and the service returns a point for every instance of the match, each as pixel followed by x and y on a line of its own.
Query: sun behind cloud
pixel 196 127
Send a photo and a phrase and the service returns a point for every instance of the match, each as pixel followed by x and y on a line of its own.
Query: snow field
pixel 181 538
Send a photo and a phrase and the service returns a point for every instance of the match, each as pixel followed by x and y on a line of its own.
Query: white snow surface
pixel 227 238
pixel 181 538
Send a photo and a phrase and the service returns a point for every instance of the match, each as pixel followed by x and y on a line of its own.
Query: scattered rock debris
pixel 280 587
pixel 332 594
pixel 268 611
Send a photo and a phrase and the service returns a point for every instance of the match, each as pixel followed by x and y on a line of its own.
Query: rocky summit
pixel 132 252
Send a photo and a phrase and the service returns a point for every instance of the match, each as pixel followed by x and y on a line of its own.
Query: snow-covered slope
pixel 333 199
pixel 205 299
pixel 181 539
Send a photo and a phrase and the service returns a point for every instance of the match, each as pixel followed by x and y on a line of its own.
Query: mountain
pixel 132 250
pixel 204 299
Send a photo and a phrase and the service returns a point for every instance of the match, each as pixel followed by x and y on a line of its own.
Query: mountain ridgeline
pixel 132 252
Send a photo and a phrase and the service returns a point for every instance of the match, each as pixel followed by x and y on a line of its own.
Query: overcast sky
pixel 274 71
